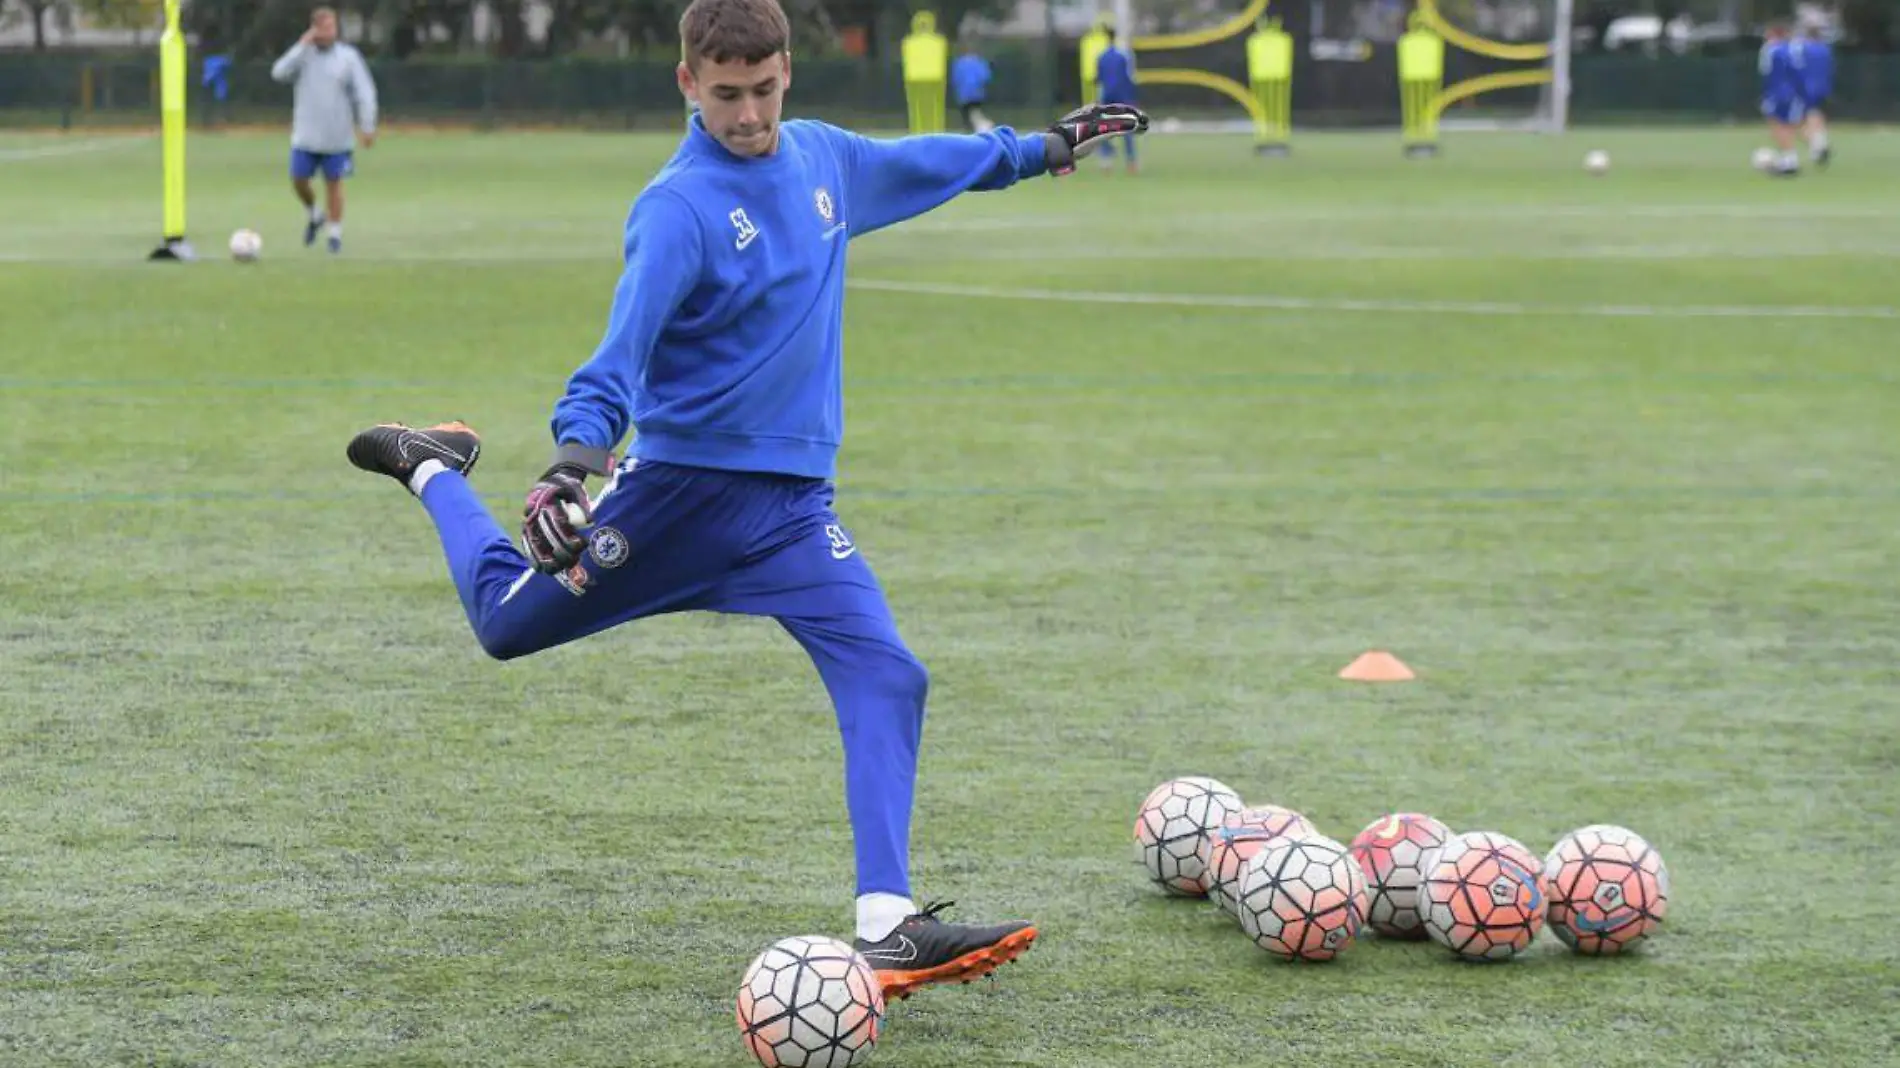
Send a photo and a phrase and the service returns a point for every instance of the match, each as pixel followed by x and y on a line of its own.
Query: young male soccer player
pixel 970 85
pixel 1115 74
pixel 1817 84
pixel 722 349
pixel 335 96
pixel 1782 97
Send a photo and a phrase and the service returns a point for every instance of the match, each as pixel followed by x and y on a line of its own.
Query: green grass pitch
pixel 1142 462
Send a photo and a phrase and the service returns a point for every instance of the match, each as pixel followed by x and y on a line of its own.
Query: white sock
pixel 336 230
pixel 1818 142
pixel 1790 161
pixel 878 914
pixel 425 471
pixel 316 214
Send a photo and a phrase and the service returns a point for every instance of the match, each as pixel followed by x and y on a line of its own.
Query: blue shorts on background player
pixel 723 354
pixel 1783 100
pixel 335 166
pixel 1115 74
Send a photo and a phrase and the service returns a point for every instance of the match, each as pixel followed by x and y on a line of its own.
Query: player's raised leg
pixel 811 578
pixel 516 610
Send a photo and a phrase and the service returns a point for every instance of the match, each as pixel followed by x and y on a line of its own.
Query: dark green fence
pixel 1030 85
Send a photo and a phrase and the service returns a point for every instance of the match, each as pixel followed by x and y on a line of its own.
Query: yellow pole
pixel 171 73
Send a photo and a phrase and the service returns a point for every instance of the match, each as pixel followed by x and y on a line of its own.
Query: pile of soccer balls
pixel 1303 896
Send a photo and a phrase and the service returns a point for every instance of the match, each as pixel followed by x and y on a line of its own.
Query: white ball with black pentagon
pixel 1303 898
pixel 810 1002
pixel 1170 828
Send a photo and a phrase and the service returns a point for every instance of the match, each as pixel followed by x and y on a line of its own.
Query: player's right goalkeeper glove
pixel 558 510
pixel 1083 130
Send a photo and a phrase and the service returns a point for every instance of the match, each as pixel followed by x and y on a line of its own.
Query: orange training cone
pixel 1377 666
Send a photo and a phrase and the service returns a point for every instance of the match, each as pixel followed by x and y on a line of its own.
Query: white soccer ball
pixel 246 245
pixel 810 1002
pixel 1763 159
pixel 1171 828
pixel 1303 898
pixel 1596 161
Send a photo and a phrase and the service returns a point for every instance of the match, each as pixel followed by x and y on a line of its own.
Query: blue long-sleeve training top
pixel 724 346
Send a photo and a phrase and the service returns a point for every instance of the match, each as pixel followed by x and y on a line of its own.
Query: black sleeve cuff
pixel 593 461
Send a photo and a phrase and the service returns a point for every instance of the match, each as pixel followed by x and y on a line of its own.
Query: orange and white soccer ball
pixel 1392 851
pixel 1483 896
pixel 1171 825
pixel 810 1002
pixel 1609 889
pixel 1227 849
pixel 1303 898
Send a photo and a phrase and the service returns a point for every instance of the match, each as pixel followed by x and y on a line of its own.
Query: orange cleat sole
pixel 972 965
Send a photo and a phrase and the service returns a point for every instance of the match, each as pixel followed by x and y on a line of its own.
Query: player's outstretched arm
pixel 663 258
pixel 888 181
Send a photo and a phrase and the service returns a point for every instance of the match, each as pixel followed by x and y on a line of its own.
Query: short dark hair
pixel 724 31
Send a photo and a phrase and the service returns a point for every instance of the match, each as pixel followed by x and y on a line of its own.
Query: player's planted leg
pixel 812 579
pixel 313 214
pixel 333 193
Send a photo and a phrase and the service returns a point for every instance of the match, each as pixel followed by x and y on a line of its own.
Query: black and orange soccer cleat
pixel 394 449
pixel 925 951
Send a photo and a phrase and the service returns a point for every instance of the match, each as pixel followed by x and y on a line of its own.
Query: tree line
pixel 401 28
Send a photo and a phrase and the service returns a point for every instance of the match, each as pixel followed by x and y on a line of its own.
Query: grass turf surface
pixel 1609 461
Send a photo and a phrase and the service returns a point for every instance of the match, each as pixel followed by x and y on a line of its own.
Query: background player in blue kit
pixel 723 352
pixel 1783 97
pixel 970 76
pixel 1816 60
pixel 1115 74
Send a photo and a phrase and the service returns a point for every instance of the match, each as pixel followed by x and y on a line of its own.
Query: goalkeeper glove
pixel 1083 130
pixel 558 509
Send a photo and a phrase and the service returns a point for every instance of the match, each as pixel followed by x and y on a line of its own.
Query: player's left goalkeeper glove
pixel 558 509
pixel 1083 130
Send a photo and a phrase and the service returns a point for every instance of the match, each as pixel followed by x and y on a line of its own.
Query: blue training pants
pixel 668 538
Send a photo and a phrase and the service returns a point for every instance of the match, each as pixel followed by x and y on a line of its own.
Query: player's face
pixel 740 102
pixel 323 29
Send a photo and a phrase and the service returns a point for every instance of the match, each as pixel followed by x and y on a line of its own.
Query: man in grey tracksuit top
pixel 335 97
